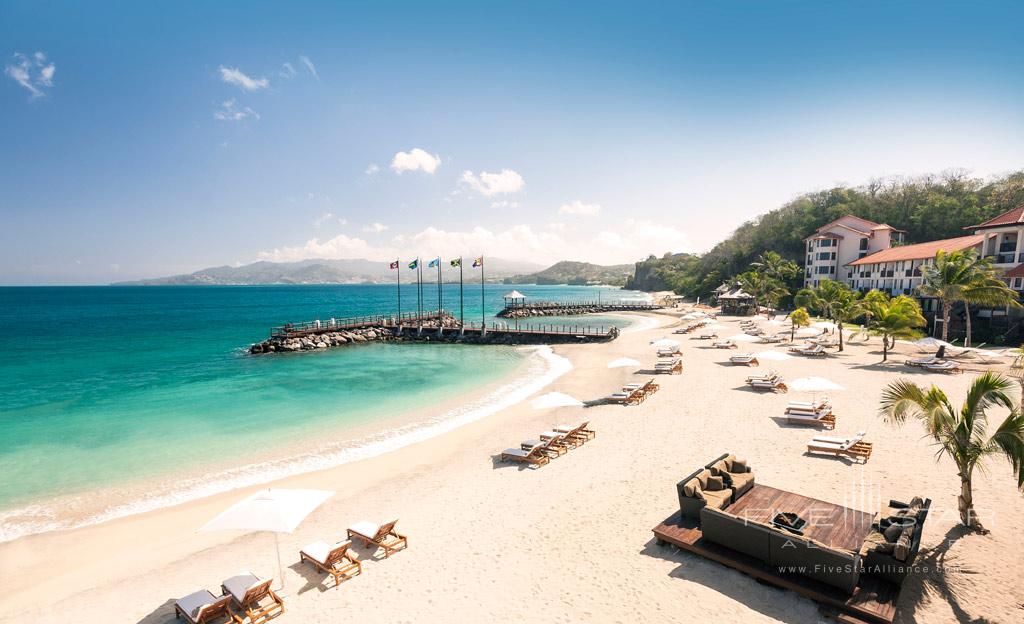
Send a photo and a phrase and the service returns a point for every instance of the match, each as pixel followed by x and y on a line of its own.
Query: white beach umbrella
pixel 775 356
pixel 623 362
pixel 932 343
pixel 813 384
pixel 692 316
pixel 664 342
pixel 274 510
pixel 744 338
pixel 555 399
pixel 829 325
pixel 807 332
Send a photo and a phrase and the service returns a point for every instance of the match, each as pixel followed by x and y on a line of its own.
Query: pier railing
pixel 542 305
pixel 353 322
pixel 543 328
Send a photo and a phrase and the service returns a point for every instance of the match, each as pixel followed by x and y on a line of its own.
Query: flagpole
pixel 440 301
pixel 419 288
pixel 398 273
pixel 483 318
pixel 462 320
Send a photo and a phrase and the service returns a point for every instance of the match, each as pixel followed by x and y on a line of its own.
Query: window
pixel 1017 283
pixel 863 244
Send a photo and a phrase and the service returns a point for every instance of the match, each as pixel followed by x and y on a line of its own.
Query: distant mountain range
pixel 356 271
pixel 576 273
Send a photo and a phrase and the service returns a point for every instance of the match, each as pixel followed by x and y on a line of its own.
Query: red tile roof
pixel 1010 217
pixel 1017 271
pixel 871 225
pixel 920 251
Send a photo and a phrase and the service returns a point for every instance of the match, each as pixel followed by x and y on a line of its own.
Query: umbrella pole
pixel 280 570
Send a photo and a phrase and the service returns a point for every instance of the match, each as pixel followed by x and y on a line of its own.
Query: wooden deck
pixel 874 600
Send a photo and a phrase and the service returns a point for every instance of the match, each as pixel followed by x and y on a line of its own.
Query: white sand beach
pixel 570 541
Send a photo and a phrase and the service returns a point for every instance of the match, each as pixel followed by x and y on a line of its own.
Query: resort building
pixel 836 244
pixel 1003 241
pixel 897 270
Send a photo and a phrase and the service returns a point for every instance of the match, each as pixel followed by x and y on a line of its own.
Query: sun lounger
pixel 550 443
pixel 744 360
pixel 671 352
pixel 580 431
pixel 383 536
pixel 924 361
pixel 253 598
pixel 202 607
pixel 707 336
pixel 558 439
pixel 669 368
pixel 724 344
pixel 770 339
pixel 804 406
pixel 812 349
pixel 817 418
pixel 535 456
pixel 625 398
pixel 853 447
pixel 769 376
pixel 943 367
pixel 753 331
pixel 337 560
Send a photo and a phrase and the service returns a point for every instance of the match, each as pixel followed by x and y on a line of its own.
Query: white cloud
pixel 375 228
pixel 372 169
pixel 325 217
pixel 34 74
pixel 504 204
pixel 508 181
pixel 232 75
pixel 415 159
pixel 633 240
pixel 229 111
pixel 578 208
pixel 310 66
pixel 287 71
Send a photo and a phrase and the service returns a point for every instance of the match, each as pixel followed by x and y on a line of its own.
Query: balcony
pixel 1008 247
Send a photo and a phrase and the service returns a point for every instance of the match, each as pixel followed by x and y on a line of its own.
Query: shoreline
pixel 362 440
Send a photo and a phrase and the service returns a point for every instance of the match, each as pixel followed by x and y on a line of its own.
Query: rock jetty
pixel 327 338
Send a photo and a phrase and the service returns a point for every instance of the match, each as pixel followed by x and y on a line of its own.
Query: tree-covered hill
pixel 928 208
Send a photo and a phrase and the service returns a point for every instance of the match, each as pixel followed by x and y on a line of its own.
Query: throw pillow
pixel 715 484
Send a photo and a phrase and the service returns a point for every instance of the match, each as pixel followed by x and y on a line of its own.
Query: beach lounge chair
pixel 707 336
pixel 724 344
pixel 535 456
pixel 746 359
pixel 202 607
pixel 579 431
pixel 924 361
pixel 770 339
pixel 337 560
pixel 808 406
pixel 669 368
pixel 669 352
pixel 550 443
pixel 854 447
pixel 822 417
pixel 253 598
pixel 809 349
pixel 752 331
pixel 943 367
pixel 383 536
pixel 770 375
pixel 625 398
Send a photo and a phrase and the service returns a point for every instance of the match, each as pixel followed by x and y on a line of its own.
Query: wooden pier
pixel 432 326
pixel 522 309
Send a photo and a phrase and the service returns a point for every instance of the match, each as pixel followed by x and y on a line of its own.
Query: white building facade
pixel 835 245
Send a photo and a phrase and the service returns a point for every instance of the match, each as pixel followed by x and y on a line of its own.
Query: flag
pixel 393 265
pixel 479 262
pixel 433 263
pixel 415 263
pixel 457 262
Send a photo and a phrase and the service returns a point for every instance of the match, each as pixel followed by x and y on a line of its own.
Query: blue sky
pixel 157 138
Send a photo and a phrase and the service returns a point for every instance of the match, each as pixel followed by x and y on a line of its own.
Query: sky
pixel 147 139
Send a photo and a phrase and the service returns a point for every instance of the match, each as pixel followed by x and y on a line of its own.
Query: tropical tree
pixel 986 289
pixel 771 264
pixel 765 289
pixel 832 300
pixel 951 277
pixel 893 319
pixel 798 318
pixel 963 435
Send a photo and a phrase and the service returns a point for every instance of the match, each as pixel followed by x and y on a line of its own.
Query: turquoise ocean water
pixel 115 400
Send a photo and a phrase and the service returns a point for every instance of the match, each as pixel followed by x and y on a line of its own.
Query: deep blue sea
pixel 115 400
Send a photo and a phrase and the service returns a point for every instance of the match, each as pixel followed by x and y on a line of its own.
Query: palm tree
pixel 832 300
pixel 798 318
pixel 986 290
pixel 892 319
pixel 964 434
pixel 764 289
pixel 949 278
pixel 773 265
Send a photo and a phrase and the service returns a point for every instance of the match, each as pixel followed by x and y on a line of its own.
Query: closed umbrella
pixel 274 510
pixel 555 399
pixel 623 362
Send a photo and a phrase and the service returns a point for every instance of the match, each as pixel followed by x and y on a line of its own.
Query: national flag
pixel 415 263
pixel 393 265
pixel 457 262
pixel 433 263
pixel 479 262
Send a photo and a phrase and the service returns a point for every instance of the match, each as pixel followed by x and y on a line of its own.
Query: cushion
pixel 318 550
pixel 719 467
pixel 902 548
pixel 368 529
pixel 892 532
pixel 719 499
pixel 702 478
pixel 875 542
pixel 239 584
pixel 691 488
pixel 194 602
pixel 715 484
pixel 739 465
